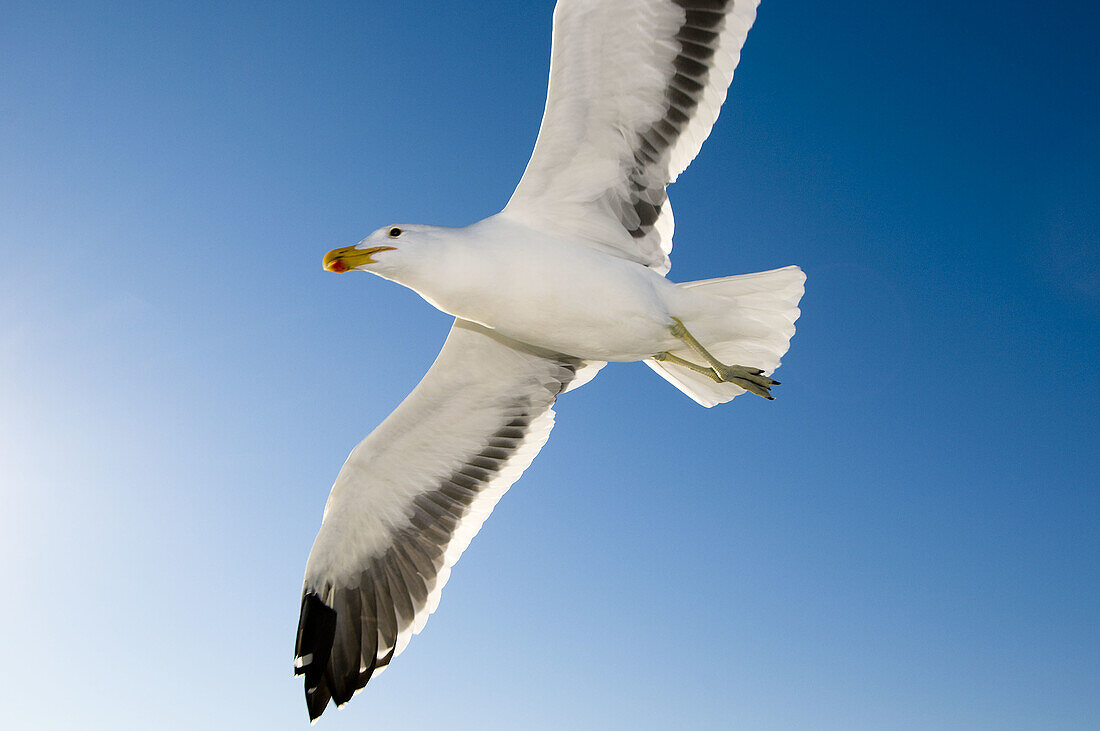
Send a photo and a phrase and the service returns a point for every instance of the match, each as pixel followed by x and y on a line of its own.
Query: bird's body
pixel 569 276
pixel 544 289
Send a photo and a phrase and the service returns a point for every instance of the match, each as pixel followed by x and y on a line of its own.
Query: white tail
pixel 744 320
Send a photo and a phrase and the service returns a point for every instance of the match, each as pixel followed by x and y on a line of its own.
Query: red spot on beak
pixel 338 266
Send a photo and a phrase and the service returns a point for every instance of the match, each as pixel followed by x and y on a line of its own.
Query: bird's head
pixel 379 253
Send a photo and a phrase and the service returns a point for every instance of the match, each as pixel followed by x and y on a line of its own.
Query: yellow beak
pixel 349 257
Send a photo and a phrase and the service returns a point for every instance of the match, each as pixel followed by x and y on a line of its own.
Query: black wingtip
pixel 345 660
pixel 316 629
pixel 317 699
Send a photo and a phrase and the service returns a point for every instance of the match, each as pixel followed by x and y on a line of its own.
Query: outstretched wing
pixel 411 496
pixel 635 87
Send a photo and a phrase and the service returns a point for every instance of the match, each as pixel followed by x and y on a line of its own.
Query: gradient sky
pixel 906 539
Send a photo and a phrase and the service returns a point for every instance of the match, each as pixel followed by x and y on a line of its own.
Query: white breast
pixel 558 295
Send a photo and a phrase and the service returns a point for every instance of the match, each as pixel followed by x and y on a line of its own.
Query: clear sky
pixel 907 538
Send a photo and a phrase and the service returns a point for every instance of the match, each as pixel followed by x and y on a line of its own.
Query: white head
pixel 386 252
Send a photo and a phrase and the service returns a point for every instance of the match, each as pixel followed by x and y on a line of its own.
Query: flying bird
pixel 568 276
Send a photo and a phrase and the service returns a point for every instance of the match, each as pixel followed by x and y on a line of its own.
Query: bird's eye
pixel 395 232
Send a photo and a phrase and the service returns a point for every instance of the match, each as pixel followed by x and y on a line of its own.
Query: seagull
pixel 569 276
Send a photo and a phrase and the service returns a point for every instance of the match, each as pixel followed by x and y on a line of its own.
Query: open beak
pixel 349 257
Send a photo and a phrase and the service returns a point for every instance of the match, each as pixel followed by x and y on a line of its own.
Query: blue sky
pixel 907 538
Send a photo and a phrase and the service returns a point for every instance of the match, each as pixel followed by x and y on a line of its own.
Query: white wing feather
pixel 412 495
pixel 635 87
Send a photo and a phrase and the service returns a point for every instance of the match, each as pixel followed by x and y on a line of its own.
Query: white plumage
pixel 568 276
pixel 621 84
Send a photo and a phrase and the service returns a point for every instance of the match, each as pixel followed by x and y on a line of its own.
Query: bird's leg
pixel 750 379
pixel 677 360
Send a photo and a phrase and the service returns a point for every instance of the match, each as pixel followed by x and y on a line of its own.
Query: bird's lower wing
pixel 411 496
pixel 635 87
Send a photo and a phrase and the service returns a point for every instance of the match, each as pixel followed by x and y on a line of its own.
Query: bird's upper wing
pixel 635 87
pixel 411 496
